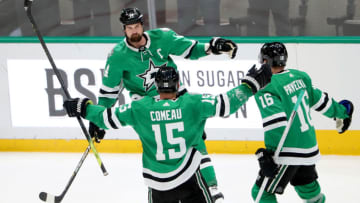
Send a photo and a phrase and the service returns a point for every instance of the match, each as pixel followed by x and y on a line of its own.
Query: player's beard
pixel 136 37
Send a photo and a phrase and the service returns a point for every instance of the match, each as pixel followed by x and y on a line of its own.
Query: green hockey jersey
pixel 276 102
pixel 170 130
pixel 137 67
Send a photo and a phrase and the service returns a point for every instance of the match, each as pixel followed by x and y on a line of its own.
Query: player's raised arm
pixel 192 49
pixel 229 102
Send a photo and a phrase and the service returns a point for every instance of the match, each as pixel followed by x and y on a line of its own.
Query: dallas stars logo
pixel 149 75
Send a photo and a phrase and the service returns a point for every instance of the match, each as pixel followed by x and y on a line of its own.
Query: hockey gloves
pixel 76 107
pixel 268 167
pixel 257 79
pixel 96 132
pixel 219 46
pixel 343 124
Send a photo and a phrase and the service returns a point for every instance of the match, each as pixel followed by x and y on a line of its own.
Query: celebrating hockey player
pixel 135 60
pixel 170 129
pixel 300 152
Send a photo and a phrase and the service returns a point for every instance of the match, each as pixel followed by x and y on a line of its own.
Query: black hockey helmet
pixel 274 53
pixel 130 16
pixel 167 80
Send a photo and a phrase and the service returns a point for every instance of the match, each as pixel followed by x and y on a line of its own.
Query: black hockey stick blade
pixel 46 197
pixel 50 198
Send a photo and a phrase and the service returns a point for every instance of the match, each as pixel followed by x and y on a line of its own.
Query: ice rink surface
pixel 24 175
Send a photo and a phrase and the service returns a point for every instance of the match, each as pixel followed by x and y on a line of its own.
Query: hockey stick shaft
pixel 281 142
pixel 57 199
pixel 27 6
pixel 76 171
pixel 46 197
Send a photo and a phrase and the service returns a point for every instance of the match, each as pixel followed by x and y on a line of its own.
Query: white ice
pixel 24 175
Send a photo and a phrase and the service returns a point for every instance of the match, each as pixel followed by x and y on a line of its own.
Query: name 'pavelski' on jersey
pixel 166 115
pixel 294 86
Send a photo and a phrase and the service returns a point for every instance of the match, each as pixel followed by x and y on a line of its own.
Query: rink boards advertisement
pixel 32 97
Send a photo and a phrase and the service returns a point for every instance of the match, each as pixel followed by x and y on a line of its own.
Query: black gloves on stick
pixel 267 165
pixel 77 107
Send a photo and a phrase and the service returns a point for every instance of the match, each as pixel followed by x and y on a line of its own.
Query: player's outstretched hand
pixel 267 165
pixel 96 132
pixel 219 46
pixel 343 124
pixel 76 107
pixel 257 79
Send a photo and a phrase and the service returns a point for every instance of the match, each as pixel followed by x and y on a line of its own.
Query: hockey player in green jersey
pixel 300 152
pixel 170 129
pixel 134 61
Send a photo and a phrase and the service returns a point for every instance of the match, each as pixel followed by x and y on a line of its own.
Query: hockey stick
pixel 46 197
pixel 281 143
pixel 27 6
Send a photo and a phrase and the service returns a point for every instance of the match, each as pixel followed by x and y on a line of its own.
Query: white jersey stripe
pixel 227 105
pixel 274 116
pixel 172 173
pixel 115 118
pixel 218 106
pixel 110 96
pixel 275 125
pixel 187 51
pixel 298 160
pixel 320 102
pixel 194 165
pixel 300 150
pixel 328 105
pixel 110 89
pixel 106 120
pixel 205 165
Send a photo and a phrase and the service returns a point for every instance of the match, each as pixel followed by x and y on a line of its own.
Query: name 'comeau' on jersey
pixel 166 115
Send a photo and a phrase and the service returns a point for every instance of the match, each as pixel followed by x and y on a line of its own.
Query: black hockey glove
pixel 96 132
pixel 76 107
pixel 343 124
pixel 267 165
pixel 258 79
pixel 219 45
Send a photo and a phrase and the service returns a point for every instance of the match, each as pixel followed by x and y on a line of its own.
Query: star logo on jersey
pixel 149 75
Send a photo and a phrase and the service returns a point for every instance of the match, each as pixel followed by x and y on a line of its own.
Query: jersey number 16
pixel 302 112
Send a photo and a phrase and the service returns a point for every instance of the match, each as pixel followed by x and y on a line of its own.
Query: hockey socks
pixel 310 193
